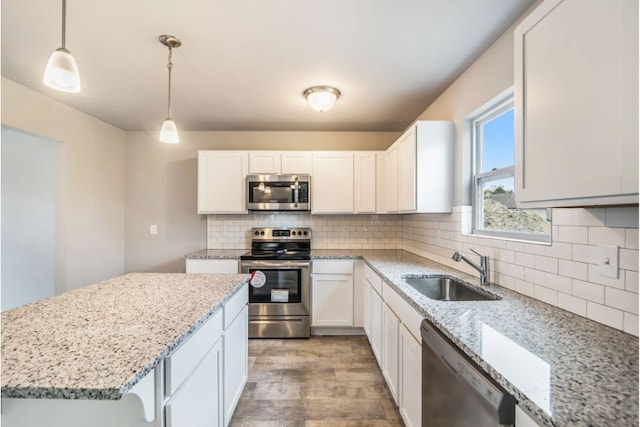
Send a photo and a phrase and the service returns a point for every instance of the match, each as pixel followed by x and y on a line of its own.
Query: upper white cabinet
pixel 296 162
pixel 419 169
pixel 264 162
pixel 365 182
pixel 221 181
pixel 332 186
pixel 280 162
pixel 576 97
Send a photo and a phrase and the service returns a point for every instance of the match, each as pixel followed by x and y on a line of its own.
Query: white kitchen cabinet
pixel 236 351
pixel 365 182
pixel 332 300
pixel 576 104
pixel 410 398
pixel 264 162
pixel 211 266
pixel 366 309
pixel 221 181
pixel 332 190
pixel 197 402
pixel 391 179
pixel 376 325
pixel 296 162
pixel 381 181
pixel 421 180
pixel 523 419
pixel 390 347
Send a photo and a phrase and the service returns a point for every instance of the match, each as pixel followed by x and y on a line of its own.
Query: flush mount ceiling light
pixel 321 98
pixel 61 72
pixel 169 132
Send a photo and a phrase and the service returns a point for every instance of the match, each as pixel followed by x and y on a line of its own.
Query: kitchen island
pixel 123 351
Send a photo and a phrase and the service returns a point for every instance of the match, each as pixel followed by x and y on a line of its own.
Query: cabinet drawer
pixel 184 359
pixel 333 266
pixel 235 305
pixel 408 315
pixel 372 277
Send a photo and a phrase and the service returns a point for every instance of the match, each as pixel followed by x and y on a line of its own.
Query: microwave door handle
pixel 296 192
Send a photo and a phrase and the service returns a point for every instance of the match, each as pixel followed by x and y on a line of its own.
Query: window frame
pixel 493 110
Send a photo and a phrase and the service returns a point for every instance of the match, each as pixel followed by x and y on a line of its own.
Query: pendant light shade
pixel 169 131
pixel 61 72
pixel 321 98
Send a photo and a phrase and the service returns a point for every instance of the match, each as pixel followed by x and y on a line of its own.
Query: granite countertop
pixel 565 370
pixel 217 254
pixel 98 341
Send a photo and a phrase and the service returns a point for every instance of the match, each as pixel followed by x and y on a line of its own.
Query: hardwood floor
pixel 319 382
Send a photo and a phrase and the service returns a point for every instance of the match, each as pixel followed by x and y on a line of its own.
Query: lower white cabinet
pixel 236 342
pixel 332 290
pixel 523 419
pixel 410 402
pixel 366 309
pixel 211 266
pixel 376 325
pixel 390 348
pixel 197 402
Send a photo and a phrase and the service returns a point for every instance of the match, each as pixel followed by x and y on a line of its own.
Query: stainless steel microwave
pixel 278 192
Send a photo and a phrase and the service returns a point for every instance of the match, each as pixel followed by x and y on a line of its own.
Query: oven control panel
pixel 280 233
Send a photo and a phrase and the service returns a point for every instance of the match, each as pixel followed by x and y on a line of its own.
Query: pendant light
pixel 169 132
pixel 61 72
pixel 321 98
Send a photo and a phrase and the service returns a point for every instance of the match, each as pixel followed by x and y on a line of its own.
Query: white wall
pixel 31 204
pixel 162 184
pixel 93 237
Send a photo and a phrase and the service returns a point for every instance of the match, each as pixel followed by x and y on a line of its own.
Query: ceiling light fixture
pixel 61 72
pixel 169 132
pixel 321 98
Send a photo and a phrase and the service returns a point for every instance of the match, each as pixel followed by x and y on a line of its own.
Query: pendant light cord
pixel 169 67
pixel 64 22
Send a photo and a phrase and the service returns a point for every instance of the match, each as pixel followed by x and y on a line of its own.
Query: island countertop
pixel 98 341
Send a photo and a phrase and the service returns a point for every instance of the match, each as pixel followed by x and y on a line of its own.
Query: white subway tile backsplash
pixel 576 270
pixel 558 283
pixel 623 300
pixel 524 259
pixel 622 217
pixel 628 259
pixel 595 277
pixel 574 234
pixel 525 288
pixel 607 236
pixel 559 250
pixel 548 264
pixel 588 291
pixel 545 294
pixel 603 314
pixel 535 276
pixel 631 324
pixel 590 217
pixel 585 253
pixel 562 217
pixel 631 241
pixel 572 304
pixel 631 281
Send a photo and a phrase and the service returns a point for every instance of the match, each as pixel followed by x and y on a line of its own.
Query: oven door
pixel 285 291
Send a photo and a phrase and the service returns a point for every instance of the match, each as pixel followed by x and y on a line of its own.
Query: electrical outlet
pixel 608 261
pixel 153 229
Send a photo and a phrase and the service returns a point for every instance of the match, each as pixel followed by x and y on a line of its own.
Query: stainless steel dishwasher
pixel 455 393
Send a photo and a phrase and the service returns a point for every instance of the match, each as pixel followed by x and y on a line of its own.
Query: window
pixel 494 207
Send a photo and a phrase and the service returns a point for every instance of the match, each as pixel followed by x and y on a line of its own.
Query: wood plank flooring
pixel 319 382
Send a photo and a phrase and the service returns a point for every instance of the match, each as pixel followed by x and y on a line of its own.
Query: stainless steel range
pixel 279 262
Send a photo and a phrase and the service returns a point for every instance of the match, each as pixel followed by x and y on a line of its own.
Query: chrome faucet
pixel 483 268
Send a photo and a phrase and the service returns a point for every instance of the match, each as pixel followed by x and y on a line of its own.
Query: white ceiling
pixel 244 63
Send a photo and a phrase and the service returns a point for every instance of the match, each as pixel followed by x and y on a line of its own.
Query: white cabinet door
pixel 366 306
pixel 236 348
pixel 376 325
pixel 410 378
pixel 197 403
pixel 365 182
pixel 332 300
pixel 212 266
pixel 296 162
pixel 576 98
pixel 391 179
pixel 407 171
pixel 390 346
pixel 332 189
pixel 264 162
pixel 221 181
pixel 524 420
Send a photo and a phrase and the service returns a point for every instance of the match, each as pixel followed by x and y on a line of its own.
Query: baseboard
pixel 333 330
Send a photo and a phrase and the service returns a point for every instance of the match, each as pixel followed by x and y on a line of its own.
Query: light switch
pixel 153 229
pixel 608 261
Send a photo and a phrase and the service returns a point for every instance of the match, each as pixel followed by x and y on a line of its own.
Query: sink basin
pixel 447 289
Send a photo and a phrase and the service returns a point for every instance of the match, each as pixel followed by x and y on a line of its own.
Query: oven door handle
pixel 283 265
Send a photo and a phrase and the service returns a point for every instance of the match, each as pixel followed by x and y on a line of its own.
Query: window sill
pixel 546 241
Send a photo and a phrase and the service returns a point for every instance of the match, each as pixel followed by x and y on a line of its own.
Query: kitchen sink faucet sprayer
pixel 483 268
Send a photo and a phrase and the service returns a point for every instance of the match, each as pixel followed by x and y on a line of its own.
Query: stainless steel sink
pixel 447 288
